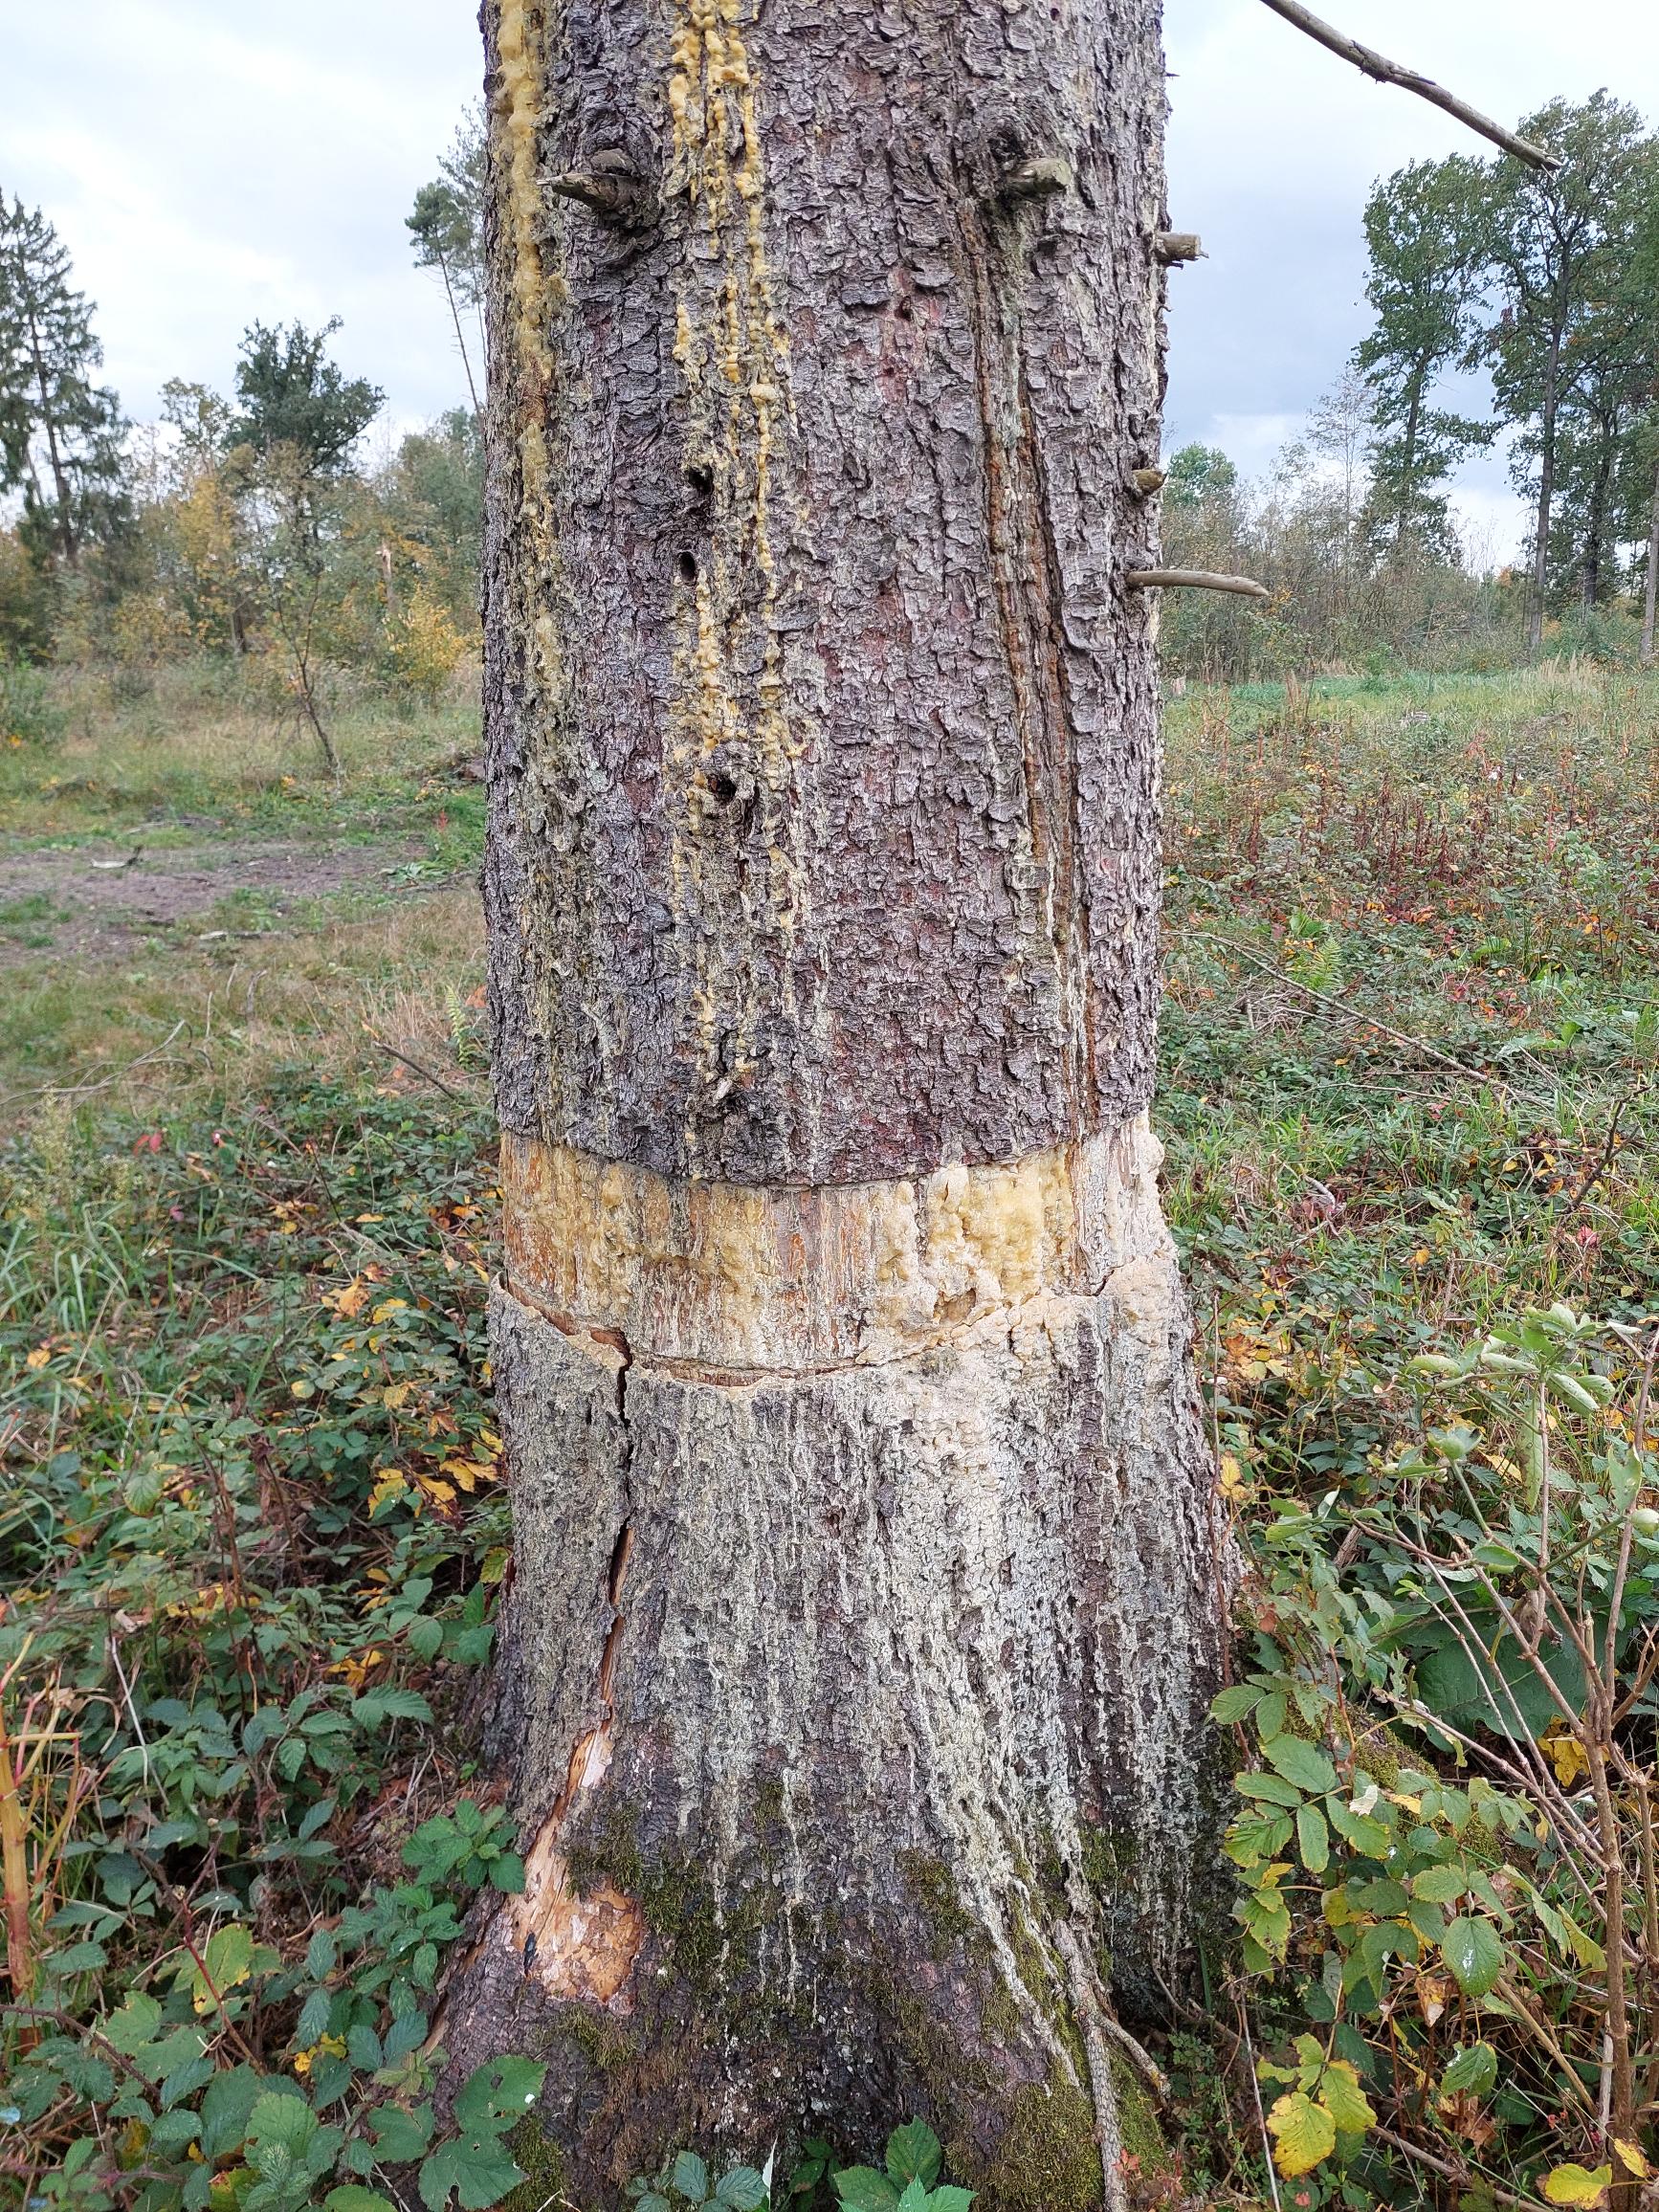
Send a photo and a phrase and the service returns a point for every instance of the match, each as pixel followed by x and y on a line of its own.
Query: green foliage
pixel 247 1360
pixel 29 714
pixel 908 2182
pixel 291 395
pixel 60 432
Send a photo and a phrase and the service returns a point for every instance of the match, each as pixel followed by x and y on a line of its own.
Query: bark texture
pixel 863 1601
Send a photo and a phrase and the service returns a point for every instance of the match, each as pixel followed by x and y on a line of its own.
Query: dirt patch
pixel 67 903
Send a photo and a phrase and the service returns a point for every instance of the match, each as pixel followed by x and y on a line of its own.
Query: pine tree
pixel 60 432
pixel 447 230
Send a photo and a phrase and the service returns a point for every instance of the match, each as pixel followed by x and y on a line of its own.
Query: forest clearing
pixel 1410 1032
pixel 827 1205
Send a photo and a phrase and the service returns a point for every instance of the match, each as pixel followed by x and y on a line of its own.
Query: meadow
pixel 251 1534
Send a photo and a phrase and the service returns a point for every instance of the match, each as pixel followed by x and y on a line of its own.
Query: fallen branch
pixel 1386 71
pixel 1352 1013
pixel 1193 580
pixel 431 1076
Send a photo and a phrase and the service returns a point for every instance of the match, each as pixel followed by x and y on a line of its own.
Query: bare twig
pixel 1194 580
pixel 1594 1175
pixel 1386 72
pixel 1353 1014
pixel 431 1076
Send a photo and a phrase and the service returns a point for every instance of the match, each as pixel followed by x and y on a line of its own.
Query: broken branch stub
pixel 1194 580
pixel 1386 72
pixel 1173 247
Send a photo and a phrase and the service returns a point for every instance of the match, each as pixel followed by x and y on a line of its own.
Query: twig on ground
pixel 430 1074
pixel 1353 1014
pixel 86 1090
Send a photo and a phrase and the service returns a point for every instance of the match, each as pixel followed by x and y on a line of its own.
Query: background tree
pixel 447 229
pixel 60 432
pixel 298 420
pixel 1558 246
pixel 865 1567
pixel 1422 279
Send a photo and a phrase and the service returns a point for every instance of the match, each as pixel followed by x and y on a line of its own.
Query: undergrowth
pixel 252 1538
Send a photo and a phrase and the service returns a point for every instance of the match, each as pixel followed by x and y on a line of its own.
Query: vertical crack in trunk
pixel 1028 587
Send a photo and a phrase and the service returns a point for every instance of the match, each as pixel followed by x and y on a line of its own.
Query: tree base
pixel 854 1702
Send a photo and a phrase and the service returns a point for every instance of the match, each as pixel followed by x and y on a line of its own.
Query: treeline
pixel 1548 285
pixel 245 524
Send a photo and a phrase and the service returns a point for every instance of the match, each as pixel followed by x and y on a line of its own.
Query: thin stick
pixel 1387 72
pixel 1193 580
pixel 1353 1014
pixel 428 1073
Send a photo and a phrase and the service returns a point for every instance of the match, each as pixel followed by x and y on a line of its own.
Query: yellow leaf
pixel 392 1484
pixel 38 1356
pixel 1567 1755
pixel 1630 2158
pixel 349 1302
pixel 1232 1477
pixel 385 1310
pixel 1303 2134
pixel 1574 2185
pixel 1342 2097
pixel 394 1394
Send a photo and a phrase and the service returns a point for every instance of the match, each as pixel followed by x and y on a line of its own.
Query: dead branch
pixel 1386 71
pixel 1193 580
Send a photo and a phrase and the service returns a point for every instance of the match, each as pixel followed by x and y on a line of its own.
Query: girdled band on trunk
pixel 757 1280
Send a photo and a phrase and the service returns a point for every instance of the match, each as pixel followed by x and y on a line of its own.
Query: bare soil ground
pixel 89 905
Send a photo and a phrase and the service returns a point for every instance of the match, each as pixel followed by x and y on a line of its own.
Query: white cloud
pixel 210 161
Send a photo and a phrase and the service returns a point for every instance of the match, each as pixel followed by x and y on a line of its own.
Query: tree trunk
pixel 1546 497
pixel 1650 603
pixel 864 1608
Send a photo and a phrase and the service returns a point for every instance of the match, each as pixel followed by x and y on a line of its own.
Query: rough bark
pixel 864 1601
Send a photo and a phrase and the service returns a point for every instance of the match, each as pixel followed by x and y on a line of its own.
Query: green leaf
pixel 914 2199
pixel 912 2154
pixel 425 1636
pixel 1300 1763
pixel 314 2018
pixel 282 2122
pixel 1268 1786
pixel 1472 2072
pixel 1237 1703
pixel 507 1873
pixel 131 2027
pixel 400 2137
pixel 1342 2097
pixel 228 1960
pixel 501 2092
pixel 474 2167
pixel 742 2189
pixel 1474 1950
pixel 691 2176
pixel 862 2189
pixel 1312 1839
pixel 353 2196
pixel 1440 1885
pixel 951 2199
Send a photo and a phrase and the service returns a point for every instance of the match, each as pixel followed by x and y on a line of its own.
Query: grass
pixel 1410 1047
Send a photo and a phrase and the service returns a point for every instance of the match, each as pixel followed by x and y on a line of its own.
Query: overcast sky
pixel 213 161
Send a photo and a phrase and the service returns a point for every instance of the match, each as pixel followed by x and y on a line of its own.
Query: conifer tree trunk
pixel 864 1604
